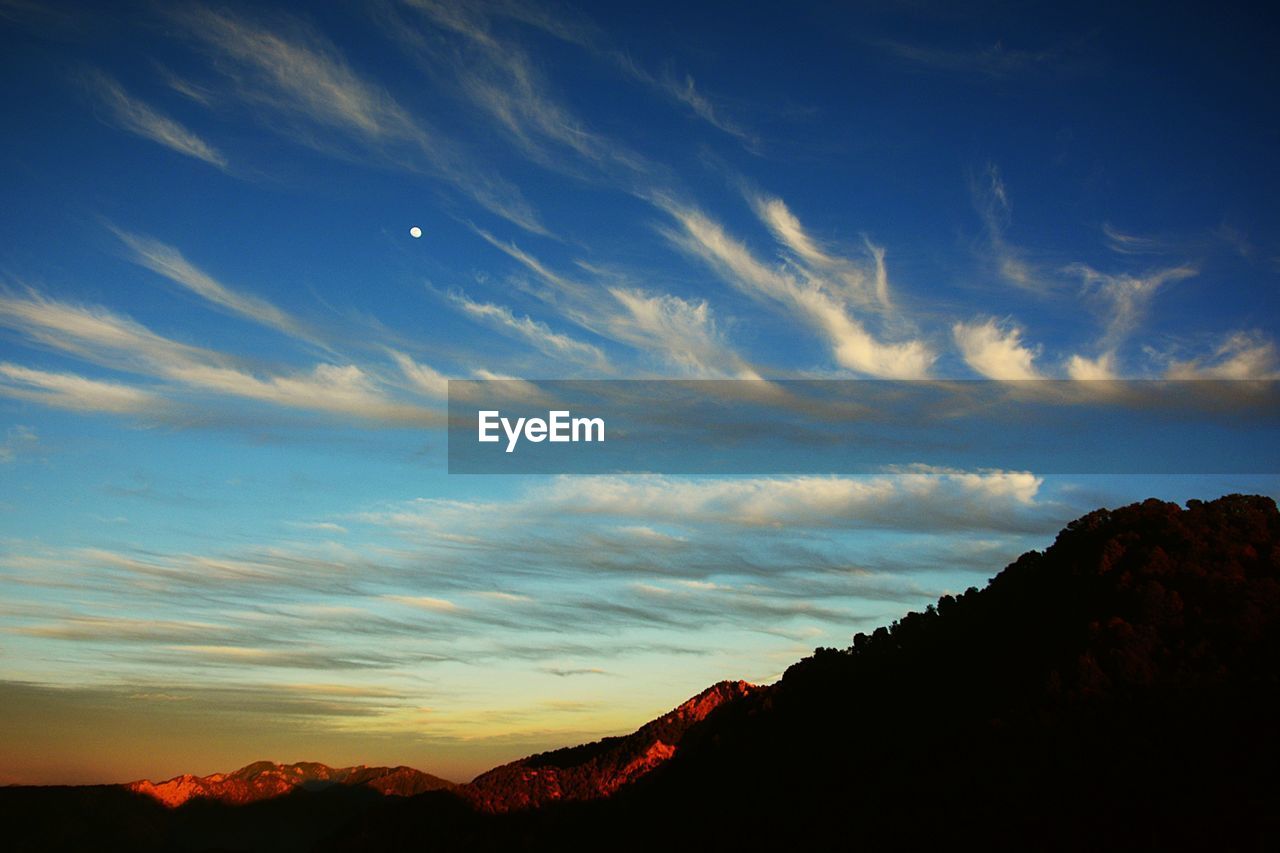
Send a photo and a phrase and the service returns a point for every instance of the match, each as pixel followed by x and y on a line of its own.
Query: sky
pixel 227 530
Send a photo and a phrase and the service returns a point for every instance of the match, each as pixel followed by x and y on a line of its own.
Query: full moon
pixel 415 232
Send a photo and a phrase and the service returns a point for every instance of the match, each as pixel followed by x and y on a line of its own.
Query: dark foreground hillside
pixel 1118 691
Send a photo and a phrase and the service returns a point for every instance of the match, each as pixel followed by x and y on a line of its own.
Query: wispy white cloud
pixel 506 597
pixel 995 350
pixel 563 24
pixel 563 285
pixel 336 389
pixel 682 332
pixel 1125 297
pixel 300 72
pixel 865 283
pixel 809 501
pixel 992 200
pixel 99 336
pixel 167 261
pixel 137 117
pixel 537 334
pixel 685 91
pixel 1122 301
pixel 903 499
pixel 76 393
pixel 1224 236
pixel 189 89
pixel 424 378
pixel 806 297
pixel 96 334
pixel 788 230
pixel 1133 244
pixel 1242 355
pixel 424 602
pixel 295 73
pixel 676 332
pixel 499 77
pixel 564 672
pixel 496 76
pixel 319 526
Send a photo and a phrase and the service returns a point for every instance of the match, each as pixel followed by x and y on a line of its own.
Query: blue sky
pixel 226 530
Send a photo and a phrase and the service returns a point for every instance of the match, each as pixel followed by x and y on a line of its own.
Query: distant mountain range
pixel 263 780
pixel 1120 690
pixel 584 772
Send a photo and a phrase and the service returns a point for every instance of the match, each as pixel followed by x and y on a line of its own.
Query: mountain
pixel 596 770
pixel 1118 691
pixel 263 780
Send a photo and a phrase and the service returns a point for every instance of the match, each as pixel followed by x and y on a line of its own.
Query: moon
pixel 415 232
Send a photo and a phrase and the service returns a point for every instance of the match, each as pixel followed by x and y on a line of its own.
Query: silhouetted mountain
pixel 264 779
pixel 1120 690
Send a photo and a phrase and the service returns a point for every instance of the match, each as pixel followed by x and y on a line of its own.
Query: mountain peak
pixel 697 708
pixel 596 770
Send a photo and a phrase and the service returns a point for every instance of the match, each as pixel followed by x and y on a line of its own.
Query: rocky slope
pixel 597 769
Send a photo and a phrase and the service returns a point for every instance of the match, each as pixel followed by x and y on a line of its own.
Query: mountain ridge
pixel 597 770
pixel 581 772
pixel 262 780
